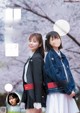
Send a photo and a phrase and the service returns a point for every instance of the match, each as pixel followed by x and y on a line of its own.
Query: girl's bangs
pixel 56 36
pixel 33 36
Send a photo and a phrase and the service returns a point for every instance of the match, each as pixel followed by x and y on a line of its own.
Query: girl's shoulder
pixel 50 54
pixel 53 54
pixel 37 55
pixel 62 54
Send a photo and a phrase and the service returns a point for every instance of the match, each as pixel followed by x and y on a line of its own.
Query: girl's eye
pixel 52 39
pixel 35 41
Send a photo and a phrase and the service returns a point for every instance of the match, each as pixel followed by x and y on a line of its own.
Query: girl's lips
pixel 30 46
pixel 12 103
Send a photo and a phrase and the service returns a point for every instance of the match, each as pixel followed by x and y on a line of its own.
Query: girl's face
pixel 12 101
pixel 33 44
pixel 55 42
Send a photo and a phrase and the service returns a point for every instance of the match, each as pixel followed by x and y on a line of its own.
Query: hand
pixel 22 105
pixel 72 94
pixel 37 105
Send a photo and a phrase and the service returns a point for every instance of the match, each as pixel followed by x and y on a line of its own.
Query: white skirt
pixel 61 103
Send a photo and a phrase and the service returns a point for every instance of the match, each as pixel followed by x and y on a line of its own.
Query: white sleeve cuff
pixel 37 105
pixel 22 105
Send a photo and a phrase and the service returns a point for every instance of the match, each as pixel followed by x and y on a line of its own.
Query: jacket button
pixel 52 58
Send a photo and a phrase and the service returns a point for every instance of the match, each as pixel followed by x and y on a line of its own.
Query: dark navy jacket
pixel 54 72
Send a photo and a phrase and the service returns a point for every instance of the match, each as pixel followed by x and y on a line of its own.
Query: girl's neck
pixel 31 53
pixel 56 49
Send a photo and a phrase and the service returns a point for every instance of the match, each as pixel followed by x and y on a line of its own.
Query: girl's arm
pixel 51 70
pixel 37 76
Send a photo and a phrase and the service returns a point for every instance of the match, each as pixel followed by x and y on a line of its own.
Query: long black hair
pixel 48 36
pixel 40 40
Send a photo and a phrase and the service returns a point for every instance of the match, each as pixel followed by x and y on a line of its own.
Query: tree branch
pixel 19 60
pixel 77 71
pixel 75 68
pixel 18 82
pixel 72 51
pixel 28 8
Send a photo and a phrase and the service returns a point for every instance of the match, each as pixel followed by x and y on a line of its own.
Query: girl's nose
pixel 31 42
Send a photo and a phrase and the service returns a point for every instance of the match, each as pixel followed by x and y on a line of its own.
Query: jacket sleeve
pixel 23 99
pixel 51 70
pixel 37 76
pixel 23 93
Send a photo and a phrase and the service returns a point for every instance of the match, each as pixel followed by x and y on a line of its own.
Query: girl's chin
pixel 32 50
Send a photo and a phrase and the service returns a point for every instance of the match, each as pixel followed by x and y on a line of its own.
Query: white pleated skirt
pixel 61 103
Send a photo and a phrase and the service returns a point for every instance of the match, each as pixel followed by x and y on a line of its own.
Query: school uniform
pixel 32 80
pixel 60 84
